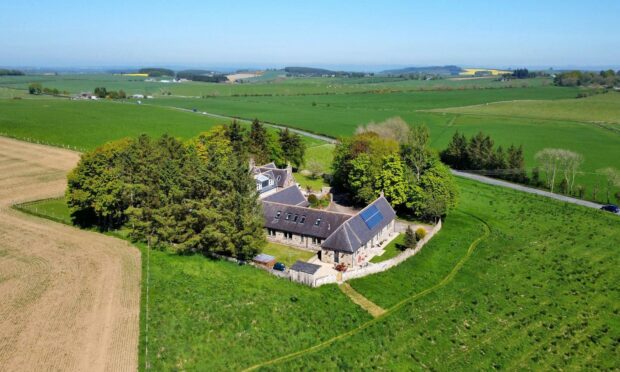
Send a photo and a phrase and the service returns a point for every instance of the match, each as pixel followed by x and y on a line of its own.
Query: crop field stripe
pixel 447 279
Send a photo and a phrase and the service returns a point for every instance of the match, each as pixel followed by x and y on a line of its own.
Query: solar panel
pixel 371 216
pixel 368 212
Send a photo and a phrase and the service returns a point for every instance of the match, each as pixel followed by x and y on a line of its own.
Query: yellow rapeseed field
pixel 472 71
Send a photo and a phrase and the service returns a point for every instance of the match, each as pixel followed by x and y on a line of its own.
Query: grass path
pixel 374 309
pixel 446 280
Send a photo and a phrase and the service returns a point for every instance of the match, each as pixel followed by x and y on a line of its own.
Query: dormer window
pixel 288 216
pixel 317 222
pixel 302 219
pixel 295 218
pixel 278 213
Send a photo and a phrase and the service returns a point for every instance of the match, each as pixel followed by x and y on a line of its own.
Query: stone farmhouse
pixel 335 237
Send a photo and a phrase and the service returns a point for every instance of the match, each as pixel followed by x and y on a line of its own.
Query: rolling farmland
pixel 467 301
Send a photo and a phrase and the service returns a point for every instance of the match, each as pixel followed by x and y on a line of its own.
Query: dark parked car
pixel 279 266
pixel 611 208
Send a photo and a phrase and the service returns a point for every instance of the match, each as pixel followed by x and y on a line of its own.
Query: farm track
pixel 446 280
pixel 70 298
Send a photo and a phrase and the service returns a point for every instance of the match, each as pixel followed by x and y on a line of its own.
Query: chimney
pixel 252 164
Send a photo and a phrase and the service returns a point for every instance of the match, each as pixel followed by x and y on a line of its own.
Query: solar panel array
pixel 371 216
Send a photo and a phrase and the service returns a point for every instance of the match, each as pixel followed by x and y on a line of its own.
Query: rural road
pixel 70 298
pixel 514 186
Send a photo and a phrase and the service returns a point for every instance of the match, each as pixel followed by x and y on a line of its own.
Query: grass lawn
pixel 391 250
pixel 287 255
pixel 307 182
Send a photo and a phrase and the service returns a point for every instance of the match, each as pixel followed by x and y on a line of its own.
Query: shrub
pixel 313 199
pixel 420 233
pixel 410 238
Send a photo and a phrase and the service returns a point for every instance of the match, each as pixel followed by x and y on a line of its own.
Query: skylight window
pixel 288 216
pixel 317 222
pixel 302 219
pixel 295 218
pixel 278 213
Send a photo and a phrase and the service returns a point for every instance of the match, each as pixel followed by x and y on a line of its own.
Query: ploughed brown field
pixel 70 299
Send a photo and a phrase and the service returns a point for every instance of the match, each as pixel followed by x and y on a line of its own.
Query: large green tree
pixel 293 147
pixel 409 173
pixel 258 143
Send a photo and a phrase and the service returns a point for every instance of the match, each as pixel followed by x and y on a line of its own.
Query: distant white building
pixel 138 96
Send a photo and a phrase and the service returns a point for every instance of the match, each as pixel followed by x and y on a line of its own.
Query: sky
pixel 362 34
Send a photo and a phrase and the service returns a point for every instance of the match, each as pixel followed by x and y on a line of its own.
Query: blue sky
pixel 318 32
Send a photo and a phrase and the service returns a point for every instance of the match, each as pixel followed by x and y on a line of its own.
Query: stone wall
pixel 388 264
pixel 295 241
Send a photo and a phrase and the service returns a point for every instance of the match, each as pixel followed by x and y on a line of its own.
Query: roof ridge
pixel 312 209
pixel 353 232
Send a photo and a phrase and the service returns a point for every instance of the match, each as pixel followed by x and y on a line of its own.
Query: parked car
pixel 279 266
pixel 611 208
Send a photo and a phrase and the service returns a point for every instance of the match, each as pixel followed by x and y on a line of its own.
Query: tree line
pixel 200 75
pixel 606 78
pixel 37 89
pixel 8 72
pixel 194 196
pixel 555 170
pixel 156 71
pixel 479 154
pixel 102 92
pixel 395 159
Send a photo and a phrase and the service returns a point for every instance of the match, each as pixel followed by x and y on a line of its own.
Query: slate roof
pixel 270 166
pixel 354 233
pixel 264 258
pixel 291 195
pixel 305 267
pixel 330 221
pixel 279 175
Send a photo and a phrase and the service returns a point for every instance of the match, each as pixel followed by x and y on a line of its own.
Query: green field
pixel 270 85
pixel 537 292
pixel 84 125
pixel 338 115
pixel 600 108
pixel 547 127
pixel 538 116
